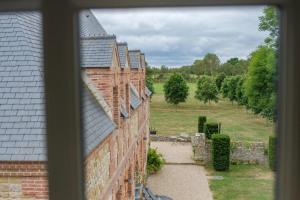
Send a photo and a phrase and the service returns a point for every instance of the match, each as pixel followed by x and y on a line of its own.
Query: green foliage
pixel 211 128
pixel 270 22
pixel 234 66
pixel 232 85
pixel 201 123
pixel 219 80
pixel 240 91
pixel 207 66
pixel 206 89
pixel 176 89
pixel 272 152
pixel 225 87
pixel 149 84
pixel 155 161
pixel 221 152
pixel 259 85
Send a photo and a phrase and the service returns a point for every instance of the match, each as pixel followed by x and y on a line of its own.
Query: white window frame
pixel 62 83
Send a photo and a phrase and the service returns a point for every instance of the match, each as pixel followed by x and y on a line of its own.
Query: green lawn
pixel 243 182
pixel 238 123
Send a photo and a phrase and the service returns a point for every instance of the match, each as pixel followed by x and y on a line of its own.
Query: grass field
pixel 243 182
pixel 238 123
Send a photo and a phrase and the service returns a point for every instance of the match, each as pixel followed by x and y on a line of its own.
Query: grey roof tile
pixel 89 25
pixel 134 98
pixel 124 112
pixel 97 51
pixel 135 59
pixel 122 49
pixel 22 116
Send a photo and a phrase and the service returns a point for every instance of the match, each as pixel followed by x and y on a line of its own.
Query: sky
pixel 177 36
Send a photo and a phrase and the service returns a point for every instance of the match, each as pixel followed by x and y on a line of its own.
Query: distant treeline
pixel 209 65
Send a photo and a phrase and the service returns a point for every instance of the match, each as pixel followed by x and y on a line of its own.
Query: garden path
pixel 180 178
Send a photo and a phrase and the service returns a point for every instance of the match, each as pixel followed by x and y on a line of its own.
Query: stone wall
pixel 97 171
pixel 162 138
pixel 241 152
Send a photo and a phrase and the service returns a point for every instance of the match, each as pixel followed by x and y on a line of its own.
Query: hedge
pixel 272 152
pixel 221 152
pixel 211 128
pixel 201 123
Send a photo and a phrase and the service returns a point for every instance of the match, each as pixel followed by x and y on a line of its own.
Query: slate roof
pixel 124 112
pixel 22 115
pixel 134 98
pixel 89 25
pixel 143 60
pixel 135 58
pixel 122 47
pixel 97 51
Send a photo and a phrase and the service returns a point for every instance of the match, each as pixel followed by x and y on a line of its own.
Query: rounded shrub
pixel 155 161
pixel 272 152
pixel 201 123
pixel 221 152
pixel 211 128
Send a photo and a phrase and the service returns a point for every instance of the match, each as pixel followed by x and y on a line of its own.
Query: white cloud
pixel 177 36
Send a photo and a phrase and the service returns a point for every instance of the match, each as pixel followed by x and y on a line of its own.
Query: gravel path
pixel 179 178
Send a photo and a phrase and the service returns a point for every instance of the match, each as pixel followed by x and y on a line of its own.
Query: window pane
pixel 226 56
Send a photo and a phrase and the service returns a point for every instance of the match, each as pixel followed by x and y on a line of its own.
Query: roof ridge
pixel 99 37
pixel 122 43
pixel 134 50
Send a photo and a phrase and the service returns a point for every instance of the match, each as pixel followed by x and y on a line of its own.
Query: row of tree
pixel 251 83
pixel 209 65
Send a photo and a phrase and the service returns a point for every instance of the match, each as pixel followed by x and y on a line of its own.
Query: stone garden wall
pixel 241 152
pixel 162 138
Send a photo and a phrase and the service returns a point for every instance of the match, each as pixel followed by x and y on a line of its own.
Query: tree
pixel 206 89
pixel 176 89
pixel 240 91
pixel 211 62
pixel 270 22
pixel 149 84
pixel 225 86
pixel 232 85
pixel 259 85
pixel 219 80
pixel 234 66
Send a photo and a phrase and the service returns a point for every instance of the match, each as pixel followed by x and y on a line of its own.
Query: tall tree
pixel 211 62
pixel 206 89
pixel 259 86
pixel 176 89
pixel 149 84
pixel 270 22
pixel 219 80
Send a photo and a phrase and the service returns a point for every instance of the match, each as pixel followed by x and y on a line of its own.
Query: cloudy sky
pixel 178 36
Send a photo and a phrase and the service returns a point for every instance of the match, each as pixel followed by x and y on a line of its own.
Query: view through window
pixel 177 103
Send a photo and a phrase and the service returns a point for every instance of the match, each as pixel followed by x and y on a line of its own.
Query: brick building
pixel 115 111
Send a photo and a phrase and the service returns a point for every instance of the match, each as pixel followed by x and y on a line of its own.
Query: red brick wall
pixel 23 180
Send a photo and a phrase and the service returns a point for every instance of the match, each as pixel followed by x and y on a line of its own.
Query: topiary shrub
pixel 221 152
pixel 155 161
pixel 272 152
pixel 201 123
pixel 211 128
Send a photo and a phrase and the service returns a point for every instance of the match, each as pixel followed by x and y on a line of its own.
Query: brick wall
pixel 23 180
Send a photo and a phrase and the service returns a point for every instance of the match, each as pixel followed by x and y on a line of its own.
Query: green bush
pixel 211 128
pixel 221 152
pixel 272 152
pixel 155 161
pixel 201 123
